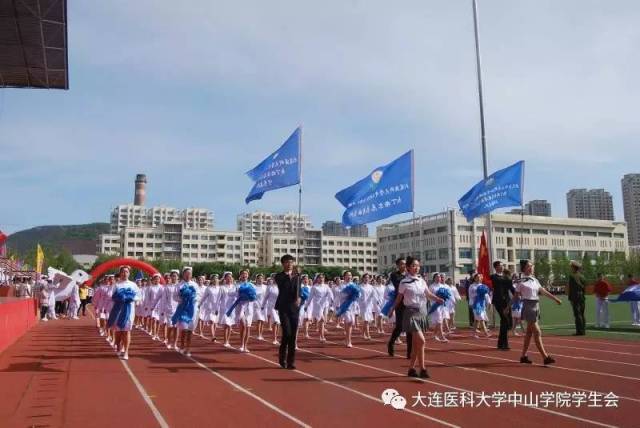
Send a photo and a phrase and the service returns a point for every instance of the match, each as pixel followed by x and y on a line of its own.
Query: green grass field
pixel 558 319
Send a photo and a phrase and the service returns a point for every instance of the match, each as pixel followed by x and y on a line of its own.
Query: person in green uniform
pixel 577 285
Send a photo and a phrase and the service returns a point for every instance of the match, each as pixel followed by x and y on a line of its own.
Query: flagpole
pixel 413 205
pixel 485 163
pixel 298 256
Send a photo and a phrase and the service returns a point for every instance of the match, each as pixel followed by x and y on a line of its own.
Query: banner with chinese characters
pixel 386 191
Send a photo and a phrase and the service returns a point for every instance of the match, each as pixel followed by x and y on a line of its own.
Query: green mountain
pixel 76 239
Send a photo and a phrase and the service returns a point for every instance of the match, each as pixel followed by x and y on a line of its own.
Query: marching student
pixel 479 299
pixel 100 299
pixel 244 309
pixel 529 289
pixel 125 296
pixel 413 293
pixel 319 301
pixel 209 305
pixel 437 315
pixel 304 315
pixel 200 289
pixel 153 303
pixel 451 303
pixel 228 295
pixel 365 305
pixel 259 314
pixel 270 311
pixel 169 305
pixel 185 316
pixel 346 312
pixel 378 301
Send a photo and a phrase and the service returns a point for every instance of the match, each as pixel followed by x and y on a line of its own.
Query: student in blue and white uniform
pixel 123 332
pixel 259 313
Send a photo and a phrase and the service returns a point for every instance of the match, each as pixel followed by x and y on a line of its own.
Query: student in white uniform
pixel 378 302
pixel 200 289
pixel 185 316
pixel 119 309
pixel 528 289
pixel 336 291
pixel 273 317
pixel 349 315
pixel 154 298
pixel 244 311
pixel 138 319
pixel 451 303
pixel 111 334
pixel 169 306
pixel 304 315
pixel 319 301
pixel 365 304
pixel 228 295
pixel 209 305
pixel 413 292
pixel 436 317
pixel 480 316
pixel 259 313
pixel 99 302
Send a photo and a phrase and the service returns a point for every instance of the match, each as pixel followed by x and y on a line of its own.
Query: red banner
pixel 483 261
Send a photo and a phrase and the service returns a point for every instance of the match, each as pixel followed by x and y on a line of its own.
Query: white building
pixel 130 215
pixel 254 225
pixel 446 242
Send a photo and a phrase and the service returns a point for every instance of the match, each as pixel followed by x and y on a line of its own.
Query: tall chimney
pixel 141 192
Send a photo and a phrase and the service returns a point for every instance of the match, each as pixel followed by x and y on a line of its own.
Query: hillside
pixel 77 239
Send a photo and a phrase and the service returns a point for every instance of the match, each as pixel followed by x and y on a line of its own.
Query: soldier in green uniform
pixel 577 285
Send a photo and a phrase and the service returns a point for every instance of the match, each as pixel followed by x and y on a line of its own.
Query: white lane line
pixel 145 397
pixel 564 415
pixel 635 345
pixel 555 367
pixel 355 391
pixel 249 393
pixel 553 345
pixel 499 374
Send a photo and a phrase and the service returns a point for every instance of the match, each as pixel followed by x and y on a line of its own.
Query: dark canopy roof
pixel 33 44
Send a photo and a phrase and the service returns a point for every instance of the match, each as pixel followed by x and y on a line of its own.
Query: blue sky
pixel 196 95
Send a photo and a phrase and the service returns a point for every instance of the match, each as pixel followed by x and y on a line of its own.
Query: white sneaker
pixel 188 354
pixel 227 345
pixel 275 342
pixel 44 320
pixel 241 349
pixel 349 345
pixel 245 350
pixel 260 338
pixel 125 356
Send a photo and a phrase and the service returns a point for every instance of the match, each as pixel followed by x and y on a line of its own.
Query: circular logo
pixel 376 176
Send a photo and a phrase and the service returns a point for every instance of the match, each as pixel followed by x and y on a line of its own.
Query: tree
pixel 543 270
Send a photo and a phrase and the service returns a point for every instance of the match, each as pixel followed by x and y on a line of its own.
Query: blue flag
pixel 139 276
pixel 386 191
pixel 280 169
pixel 501 189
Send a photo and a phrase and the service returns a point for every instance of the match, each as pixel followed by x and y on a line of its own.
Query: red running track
pixel 63 374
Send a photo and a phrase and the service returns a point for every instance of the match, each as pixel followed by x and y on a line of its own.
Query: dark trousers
pixel 395 334
pixel 43 311
pixel 472 318
pixel 505 325
pixel 578 314
pixel 288 326
pixel 83 307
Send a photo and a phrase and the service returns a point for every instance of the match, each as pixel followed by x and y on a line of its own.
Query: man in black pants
pixel 502 286
pixel 288 307
pixel 395 278
pixel 577 286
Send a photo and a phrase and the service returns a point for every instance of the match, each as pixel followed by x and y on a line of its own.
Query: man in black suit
pixel 502 286
pixel 288 307
pixel 395 279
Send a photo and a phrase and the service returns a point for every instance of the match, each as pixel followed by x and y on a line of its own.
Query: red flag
pixel 3 248
pixel 483 261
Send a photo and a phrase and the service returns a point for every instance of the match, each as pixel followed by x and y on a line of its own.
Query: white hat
pixel 187 268
pixel 156 274
pixel 227 273
pixel 174 271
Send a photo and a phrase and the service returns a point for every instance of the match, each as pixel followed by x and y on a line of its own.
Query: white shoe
pixel 241 349
pixel 44 320
pixel 188 354
pixel 260 338
pixel 245 350
pixel 275 342
pixel 227 345
pixel 168 346
pixel 125 357
pixel 349 345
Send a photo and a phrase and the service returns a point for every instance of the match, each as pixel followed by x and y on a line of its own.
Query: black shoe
pixel 504 348
pixel 390 350
pixel 525 360
pixel 424 374
pixel 412 373
pixel 291 367
pixel 549 360
pixel 283 365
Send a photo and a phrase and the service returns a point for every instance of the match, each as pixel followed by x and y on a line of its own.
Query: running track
pixel 63 374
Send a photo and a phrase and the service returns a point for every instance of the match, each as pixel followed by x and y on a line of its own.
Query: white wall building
pixel 446 242
pixel 254 225
pixel 130 215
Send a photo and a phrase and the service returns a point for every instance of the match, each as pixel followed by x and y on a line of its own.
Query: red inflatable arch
pixel 116 263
